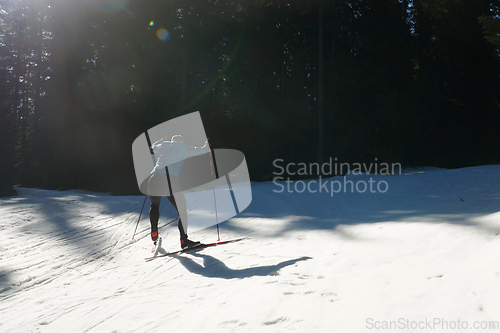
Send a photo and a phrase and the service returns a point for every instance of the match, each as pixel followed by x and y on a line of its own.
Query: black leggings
pixel 154 213
pixel 179 202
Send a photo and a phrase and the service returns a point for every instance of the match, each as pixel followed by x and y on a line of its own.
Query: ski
pixel 198 247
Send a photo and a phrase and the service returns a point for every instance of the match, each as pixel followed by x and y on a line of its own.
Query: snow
pixel 423 256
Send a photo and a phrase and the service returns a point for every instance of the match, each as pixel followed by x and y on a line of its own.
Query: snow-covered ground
pixel 423 256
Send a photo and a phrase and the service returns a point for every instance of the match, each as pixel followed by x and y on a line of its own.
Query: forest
pixel 414 82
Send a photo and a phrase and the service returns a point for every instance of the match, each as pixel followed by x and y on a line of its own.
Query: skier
pixel 165 179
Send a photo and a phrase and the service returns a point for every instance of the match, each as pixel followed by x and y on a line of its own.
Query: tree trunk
pixel 320 85
pixel 183 80
pixel 282 81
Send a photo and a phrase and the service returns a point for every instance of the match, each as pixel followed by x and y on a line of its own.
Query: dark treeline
pixel 408 81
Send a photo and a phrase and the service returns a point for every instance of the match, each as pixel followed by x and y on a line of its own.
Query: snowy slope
pixel 423 253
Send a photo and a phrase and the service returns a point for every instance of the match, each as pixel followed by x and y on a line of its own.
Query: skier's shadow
pixel 214 268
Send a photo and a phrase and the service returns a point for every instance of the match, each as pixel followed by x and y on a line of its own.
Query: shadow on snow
pixel 214 268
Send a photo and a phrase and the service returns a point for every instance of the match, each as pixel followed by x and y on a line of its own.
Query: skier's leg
pixel 173 201
pixel 178 200
pixel 154 216
pixel 157 185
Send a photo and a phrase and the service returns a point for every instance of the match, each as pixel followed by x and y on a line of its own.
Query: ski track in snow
pixel 425 249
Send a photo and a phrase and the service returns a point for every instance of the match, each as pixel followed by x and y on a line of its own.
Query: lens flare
pixel 152 24
pixel 163 35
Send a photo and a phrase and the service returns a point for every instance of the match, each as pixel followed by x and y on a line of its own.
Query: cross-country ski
pixel 193 248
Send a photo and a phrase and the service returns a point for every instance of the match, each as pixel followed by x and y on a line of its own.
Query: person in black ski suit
pixel 171 155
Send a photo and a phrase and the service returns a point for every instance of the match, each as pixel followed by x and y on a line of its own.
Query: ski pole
pixel 154 161
pixel 139 216
pixel 212 158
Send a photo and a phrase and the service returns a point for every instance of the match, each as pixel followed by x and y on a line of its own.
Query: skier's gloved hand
pixel 151 150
